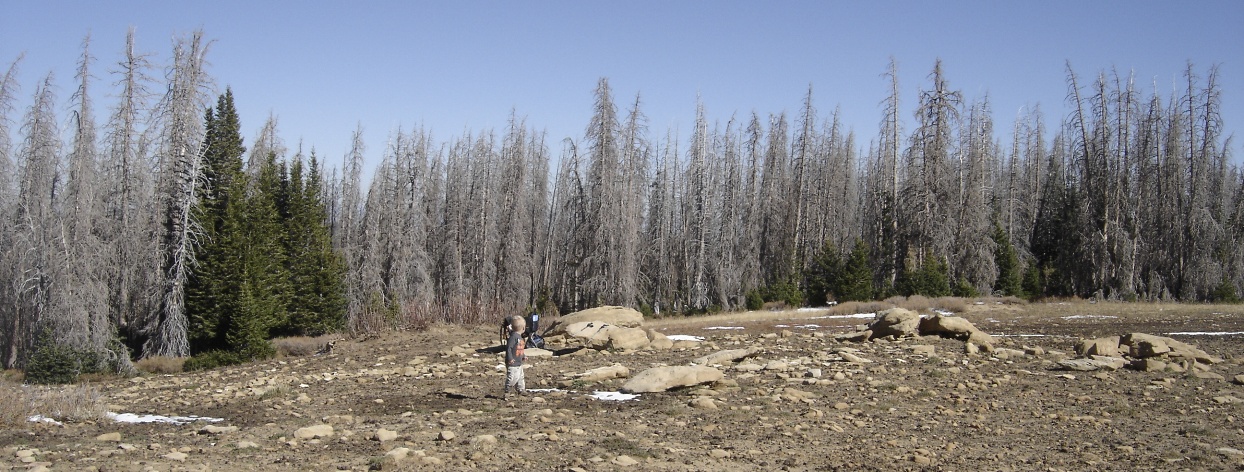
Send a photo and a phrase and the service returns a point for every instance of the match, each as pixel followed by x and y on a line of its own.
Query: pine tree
pixel 821 281
pixel 856 281
pixel 317 302
pixel 1009 281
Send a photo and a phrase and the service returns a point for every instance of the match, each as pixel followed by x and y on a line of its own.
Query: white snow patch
pixel 1020 335
pixel 43 419
pixel 724 327
pixel 811 309
pixel 944 312
pixel 839 317
pixel 135 419
pixel 614 396
pixel 1089 317
pixel 1206 333
pixel 684 337
pixel 543 390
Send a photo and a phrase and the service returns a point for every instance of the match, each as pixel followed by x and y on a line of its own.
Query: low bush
pixel 161 365
pixel 72 403
pixel 212 360
pixel 951 304
pixel 298 346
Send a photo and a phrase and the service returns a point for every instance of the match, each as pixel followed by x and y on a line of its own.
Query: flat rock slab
pixel 613 315
pixel 722 357
pixel 660 379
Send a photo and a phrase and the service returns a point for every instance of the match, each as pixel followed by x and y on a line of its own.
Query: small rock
pixel 625 461
pixel 1228 399
pixel 719 453
pixel 1229 451
pixel 703 403
pixel 113 437
pixel 924 349
pixel 213 429
pixel 246 445
pixel 176 456
pixel 852 358
pixel 483 441
pixel 397 454
pixel 446 436
pixel 1239 380
pixel 383 435
pixel 312 432
pixel 24 453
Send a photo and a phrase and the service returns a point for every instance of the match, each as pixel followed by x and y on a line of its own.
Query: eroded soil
pixel 804 409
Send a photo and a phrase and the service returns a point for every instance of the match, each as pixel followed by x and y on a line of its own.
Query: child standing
pixel 514 357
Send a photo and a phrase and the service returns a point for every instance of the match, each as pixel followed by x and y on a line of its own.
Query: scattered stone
pixel 111 437
pixel 246 445
pixel 1229 451
pixel 1228 399
pixel 924 349
pixel 719 453
pixel 1239 380
pixel 1147 365
pixel 446 436
pixel 396 455
pixel 313 432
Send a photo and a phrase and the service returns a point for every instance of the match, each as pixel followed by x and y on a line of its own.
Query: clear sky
pixel 325 67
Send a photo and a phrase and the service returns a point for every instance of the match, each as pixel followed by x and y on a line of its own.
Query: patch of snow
pixel 991 320
pixel 1020 335
pixel 1206 333
pixel 684 337
pixel 1089 317
pixel 837 317
pixel 543 390
pixel 944 312
pixel 724 327
pixel 135 419
pixel 43 419
pixel 614 396
pixel 781 326
pixel 807 309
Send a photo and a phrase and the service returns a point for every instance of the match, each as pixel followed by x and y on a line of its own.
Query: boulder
pixel 384 435
pixel 896 322
pixel 1147 365
pixel 1108 346
pixel 660 379
pixel 598 374
pixel 613 315
pixel 955 327
pixel 658 340
pixel 1147 345
pixel 590 332
pixel 627 339
pixel 722 357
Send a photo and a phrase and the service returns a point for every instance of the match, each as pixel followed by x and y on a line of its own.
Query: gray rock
pixel 446 436
pixel 723 357
pixel 312 432
pixel 213 429
pixel 660 379
pixel 604 373
pixel 383 435
pixel 1108 346
pixel 895 322
pixel 1092 364
pixel 612 315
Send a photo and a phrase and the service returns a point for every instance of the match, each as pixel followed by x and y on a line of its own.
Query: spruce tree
pixel 1010 276
pixel 317 302
pixel 856 281
pixel 822 275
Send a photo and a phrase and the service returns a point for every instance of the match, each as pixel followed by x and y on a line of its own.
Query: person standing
pixel 514 357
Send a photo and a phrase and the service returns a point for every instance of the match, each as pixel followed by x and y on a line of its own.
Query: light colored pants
pixel 515 379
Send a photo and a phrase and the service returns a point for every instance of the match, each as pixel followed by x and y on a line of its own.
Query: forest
pixel 162 232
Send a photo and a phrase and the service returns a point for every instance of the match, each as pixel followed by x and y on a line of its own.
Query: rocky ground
pixel 803 401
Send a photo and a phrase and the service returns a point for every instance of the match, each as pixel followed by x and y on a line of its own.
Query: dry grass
pixel 298 346
pixel 63 403
pixel 951 304
pixel 161 365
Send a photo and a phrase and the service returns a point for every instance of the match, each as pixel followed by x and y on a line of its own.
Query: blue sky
pixel 325 67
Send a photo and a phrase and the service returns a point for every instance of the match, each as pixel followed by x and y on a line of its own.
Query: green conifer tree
pixel 1010 276
pixel 856 281
pixel 317 301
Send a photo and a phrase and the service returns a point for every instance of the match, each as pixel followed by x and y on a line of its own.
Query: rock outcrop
pixel 660 379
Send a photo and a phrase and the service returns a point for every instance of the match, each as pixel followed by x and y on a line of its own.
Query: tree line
pixel 157 233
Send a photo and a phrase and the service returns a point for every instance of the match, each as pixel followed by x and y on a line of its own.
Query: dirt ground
pixel 795 405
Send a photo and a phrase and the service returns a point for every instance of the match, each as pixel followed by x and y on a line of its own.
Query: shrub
pixel 754 300
pixel 55 363
pixel 212 360
pixel 951 304
pixel 161 365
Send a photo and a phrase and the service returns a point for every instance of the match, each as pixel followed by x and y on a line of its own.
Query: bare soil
pixel 902 411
